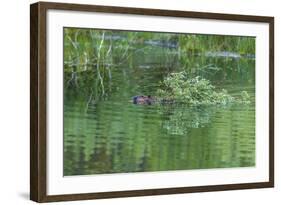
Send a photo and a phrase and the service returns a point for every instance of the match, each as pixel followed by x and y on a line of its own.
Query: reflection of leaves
pixel 181 118
pixel 245 97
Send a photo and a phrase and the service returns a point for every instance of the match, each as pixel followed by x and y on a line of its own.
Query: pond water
pixel 115 136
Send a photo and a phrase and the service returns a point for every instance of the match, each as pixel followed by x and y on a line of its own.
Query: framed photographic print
pixel 134 102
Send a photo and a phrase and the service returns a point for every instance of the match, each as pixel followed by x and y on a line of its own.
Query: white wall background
pixel 14 102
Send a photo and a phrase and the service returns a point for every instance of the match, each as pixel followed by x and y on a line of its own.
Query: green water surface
pixel 113 135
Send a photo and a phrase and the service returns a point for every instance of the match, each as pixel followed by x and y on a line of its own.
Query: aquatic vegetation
pixel 196 123
pixel 196 91
pixel 94 59
pixel 194 43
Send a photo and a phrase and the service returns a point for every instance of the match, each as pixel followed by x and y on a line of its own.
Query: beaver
pixel 143 100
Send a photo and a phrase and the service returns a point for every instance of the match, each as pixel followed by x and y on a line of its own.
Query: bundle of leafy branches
pixel 180 88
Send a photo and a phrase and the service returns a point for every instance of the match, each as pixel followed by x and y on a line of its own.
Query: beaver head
pixel 141 99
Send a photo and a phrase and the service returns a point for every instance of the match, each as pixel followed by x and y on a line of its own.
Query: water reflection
pixel 121 137
pixel 113 135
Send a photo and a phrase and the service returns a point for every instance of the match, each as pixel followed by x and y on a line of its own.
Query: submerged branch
pixel 90 100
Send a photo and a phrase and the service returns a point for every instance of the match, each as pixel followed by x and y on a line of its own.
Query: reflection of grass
pixel 196 91
pixel 118 137
pixel 97 53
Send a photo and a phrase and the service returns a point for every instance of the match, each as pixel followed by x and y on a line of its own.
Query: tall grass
pixel 91 55
pixel 195 43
